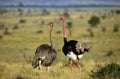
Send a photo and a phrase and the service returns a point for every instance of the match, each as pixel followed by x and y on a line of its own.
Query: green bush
pixel 117 11
pixel 58 32
pixel 15 27
pixel 110 71
pixel 116 28
pixel 109 53
pixel 40 31
pixel 66 14
pixel 20 77
pixel 94 21
pixel 22 21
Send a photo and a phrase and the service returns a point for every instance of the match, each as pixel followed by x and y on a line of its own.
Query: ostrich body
pixel 45 54
pixel 73 49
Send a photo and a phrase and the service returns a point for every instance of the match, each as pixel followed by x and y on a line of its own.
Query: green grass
pixel 17 49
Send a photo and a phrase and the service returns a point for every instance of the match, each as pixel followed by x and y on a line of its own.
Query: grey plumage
pixel 45 54
pixel 83 44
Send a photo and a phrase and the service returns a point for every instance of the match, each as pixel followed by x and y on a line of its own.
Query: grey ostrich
pixel 45 54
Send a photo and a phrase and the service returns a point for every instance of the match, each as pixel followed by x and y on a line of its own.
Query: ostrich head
pixel 62 19
pixel 51 24
pixel 83 46
pixel 35 61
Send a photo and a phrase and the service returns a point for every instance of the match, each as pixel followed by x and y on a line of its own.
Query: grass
pixel 110 71
pixel 18 48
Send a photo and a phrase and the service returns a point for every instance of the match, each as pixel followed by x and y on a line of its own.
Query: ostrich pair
pixel 45 54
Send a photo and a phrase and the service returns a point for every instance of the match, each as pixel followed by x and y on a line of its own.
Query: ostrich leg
pixel 70 64
pixel 78 64
pixel 47 69
pixel 39 65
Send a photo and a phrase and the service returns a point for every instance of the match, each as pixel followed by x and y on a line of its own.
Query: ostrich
pixel 74 49
pixel 45 54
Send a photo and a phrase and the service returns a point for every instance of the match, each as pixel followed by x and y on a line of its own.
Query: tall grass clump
pixel 110 71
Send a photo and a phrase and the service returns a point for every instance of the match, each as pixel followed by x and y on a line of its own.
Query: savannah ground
pixel 18 45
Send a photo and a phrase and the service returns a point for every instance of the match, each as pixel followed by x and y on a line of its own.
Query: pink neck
pixel 64 28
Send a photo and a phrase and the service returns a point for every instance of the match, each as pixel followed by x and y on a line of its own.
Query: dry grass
pixel 17 49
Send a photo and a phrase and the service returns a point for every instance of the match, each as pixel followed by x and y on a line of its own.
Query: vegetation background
pixel 23 30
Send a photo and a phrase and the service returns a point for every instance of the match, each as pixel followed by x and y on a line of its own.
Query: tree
pixel 66 14
pixel 94 21
pixel 20 4
pixel 45 12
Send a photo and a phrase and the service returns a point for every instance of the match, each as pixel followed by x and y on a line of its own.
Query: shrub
pixel 116 28
pixel 104 16
pixel 110 71
pixel 20 77
pixel 117 11
pixel 40 31
pixel 94 21
pixel 66 14
pixel 58 32
pixel 15 27
pixel 109 53
pixel 22 21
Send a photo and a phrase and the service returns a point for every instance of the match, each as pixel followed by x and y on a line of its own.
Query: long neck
pixel 50 34
pixel 64 31
pixel 64 28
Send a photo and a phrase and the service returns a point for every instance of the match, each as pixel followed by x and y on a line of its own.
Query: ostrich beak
pixel 60 18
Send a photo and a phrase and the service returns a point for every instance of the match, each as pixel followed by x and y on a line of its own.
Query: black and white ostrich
pixel 74 49
pixel 45 54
